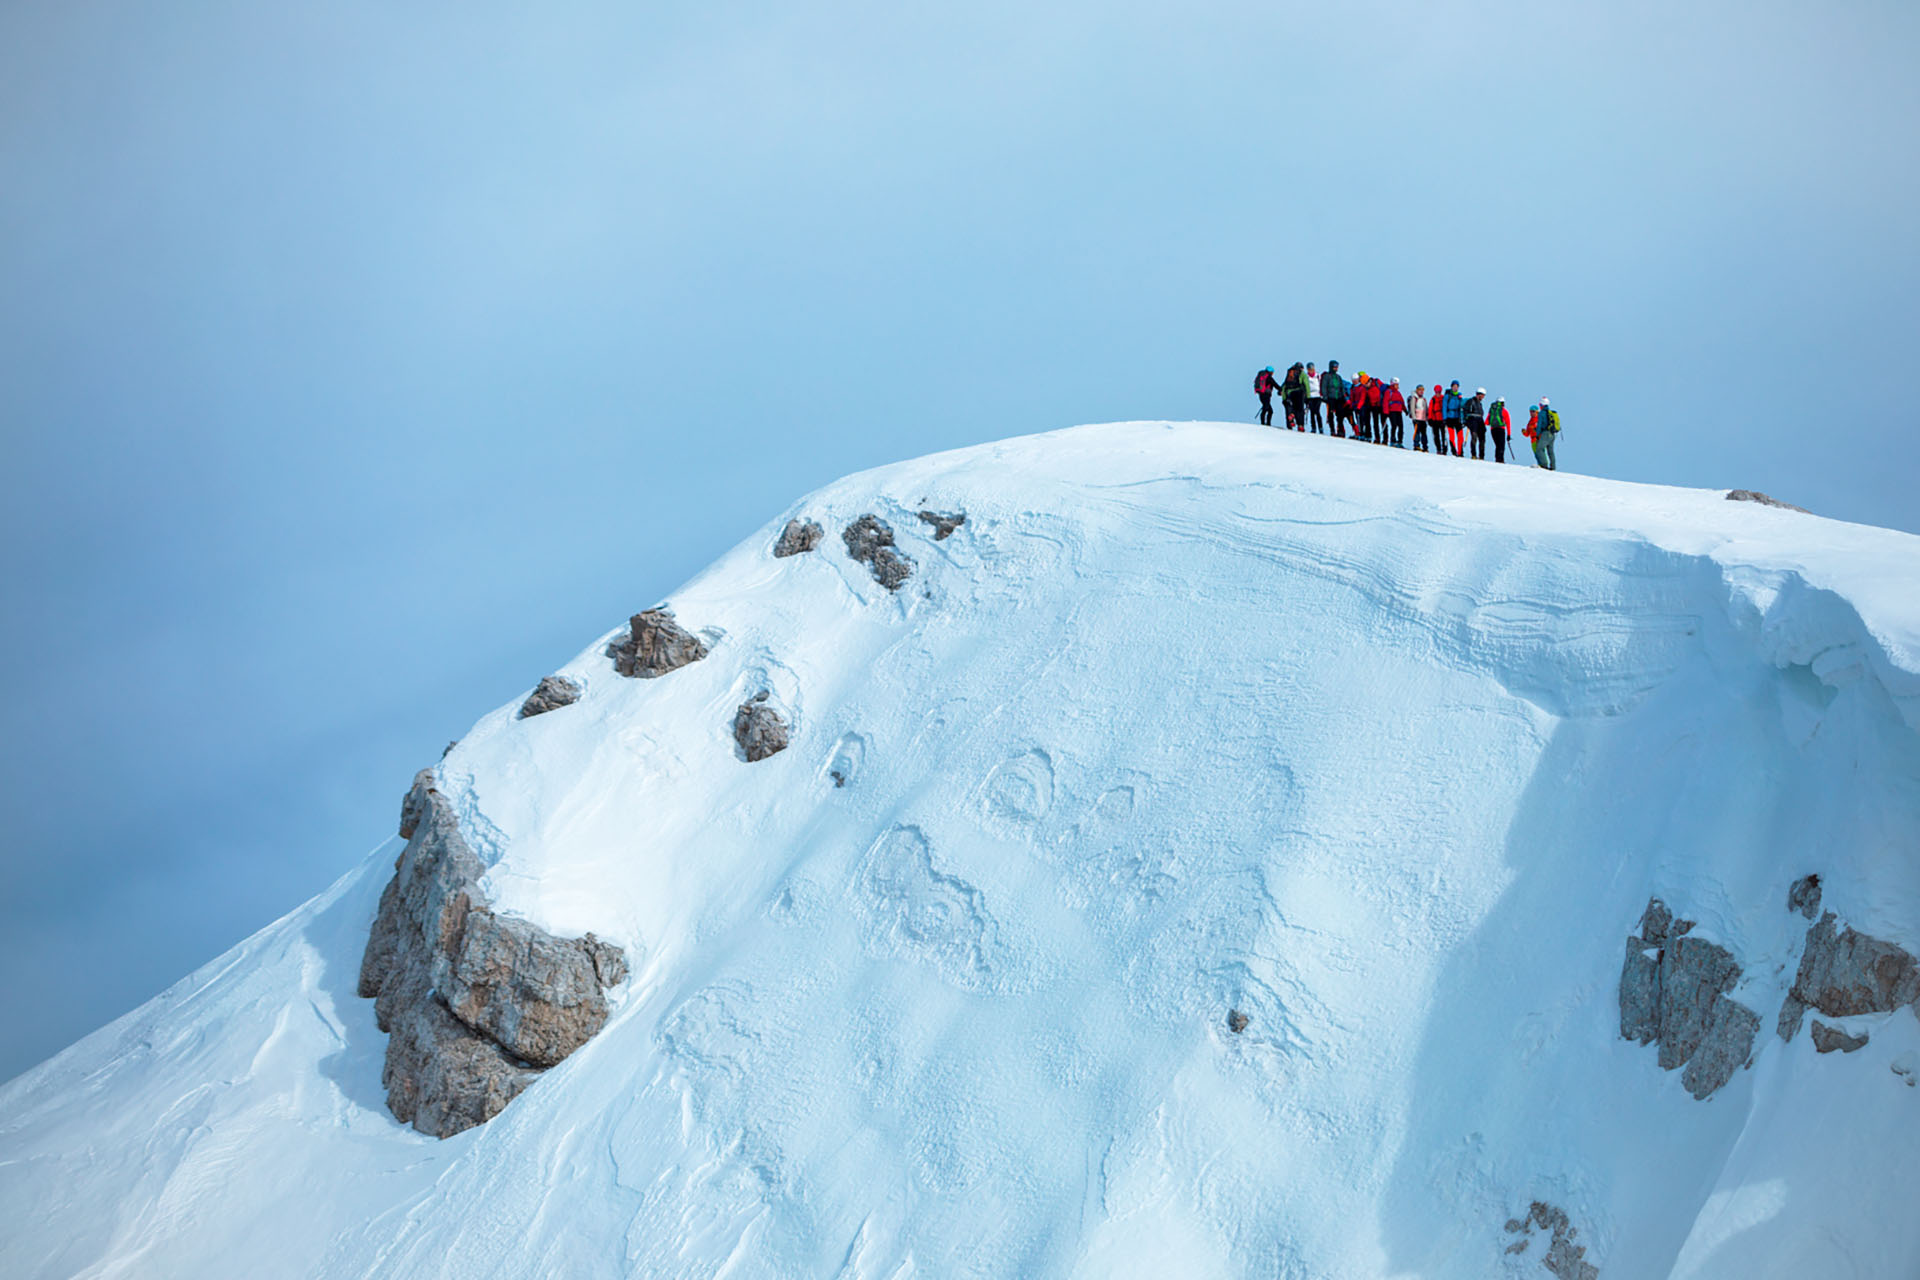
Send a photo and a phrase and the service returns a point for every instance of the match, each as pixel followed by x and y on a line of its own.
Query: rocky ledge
pixel 654 645
pixel 1673 992
pixel 475 1004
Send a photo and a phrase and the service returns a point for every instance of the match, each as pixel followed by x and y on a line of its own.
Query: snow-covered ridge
pixel 1383 754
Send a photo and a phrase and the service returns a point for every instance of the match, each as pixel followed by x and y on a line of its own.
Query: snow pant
pixel 1399 429
pixel 1297 411
pixel 1266 410
pixel 1313 410
pixel 1543 452
pixel 1337 416
pixel 1420 435
pixel 1478 441
pixel 1499 444
pixel 1456 437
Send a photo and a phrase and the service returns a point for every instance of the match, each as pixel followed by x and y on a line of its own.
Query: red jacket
pixel 1391 401
pixel 1500 419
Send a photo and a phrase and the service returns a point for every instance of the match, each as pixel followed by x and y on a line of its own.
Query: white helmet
pixel 1482 391
pixel 1543 402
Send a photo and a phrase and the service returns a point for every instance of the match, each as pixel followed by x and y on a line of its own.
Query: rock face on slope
pixel 1673 991
pixel 1844 973
pixel 798 537
pixel 1563 1257
pixel 944 523
pixel 1754 495
pixel 870 541
pixel 474 1004
pixel 759 728
pixel 1804 896
pixel 1828 1039
pixel 553 693
pixel 654 645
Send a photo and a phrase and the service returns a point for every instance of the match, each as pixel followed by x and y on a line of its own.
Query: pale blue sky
pixel 360 362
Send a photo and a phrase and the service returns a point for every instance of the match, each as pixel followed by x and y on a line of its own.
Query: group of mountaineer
pixel 1378 411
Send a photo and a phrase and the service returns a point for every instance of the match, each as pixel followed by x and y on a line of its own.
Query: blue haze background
pixel 359 362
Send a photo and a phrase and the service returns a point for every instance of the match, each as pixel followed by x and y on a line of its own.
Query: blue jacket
pixel 1450 406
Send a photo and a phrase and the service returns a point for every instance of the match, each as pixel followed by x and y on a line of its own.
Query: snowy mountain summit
pixel 1141 850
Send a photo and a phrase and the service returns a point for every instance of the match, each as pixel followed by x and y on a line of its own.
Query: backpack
pixel 1263 383
pixel 1553 421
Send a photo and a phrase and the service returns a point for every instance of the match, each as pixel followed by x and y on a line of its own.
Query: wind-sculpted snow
pixel 1379 757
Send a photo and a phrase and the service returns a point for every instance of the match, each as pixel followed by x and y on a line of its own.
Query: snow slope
pixel 1387 752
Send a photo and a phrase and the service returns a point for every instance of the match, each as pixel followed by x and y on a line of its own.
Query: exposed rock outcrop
pixel 414 807
pixel 537 996
pixel 1563 1258
pixel 553 693
pixel 1828 1039
pixel 760 730
pixel 870 541
pixel 944 523
pixel 473 1003
pixel 1804 896
pixel 654 645
pixel 1844 973
pixel 1673 991
pixel 798 537
pixel 1236 1021
pixel 1754 495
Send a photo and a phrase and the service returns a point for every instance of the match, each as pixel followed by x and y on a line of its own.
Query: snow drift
pixel 1212 856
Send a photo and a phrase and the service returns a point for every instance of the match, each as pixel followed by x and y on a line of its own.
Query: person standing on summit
pixel 1333 389
pixel 1418 408
pixel 1297 397
pixel 1263 386
pixel 1500 423
pixel 1394 405
pixel 1313 398
pixel 1474 414
pixel 1546 429
pixel 1450 406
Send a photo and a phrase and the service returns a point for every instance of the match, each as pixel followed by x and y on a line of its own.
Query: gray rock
pixel 1673 991
pixel 943 523
pixel 1655 921
pixel 1827 1039
pixel 536 996
pixel 1844 972
pixel 609 961
pixel 414 807
pixel 1236 1021
pixel 1754 495
pixel 1564 1258
pixel 870 541
pixel 798 537
pixel 473 1003
pixel 1640 993
pixel 654 645
pixel 1693 975
pixel 553 693
pixel 1724 1049
pixel 1804 896
pixel 759 729
pixel 441 1076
